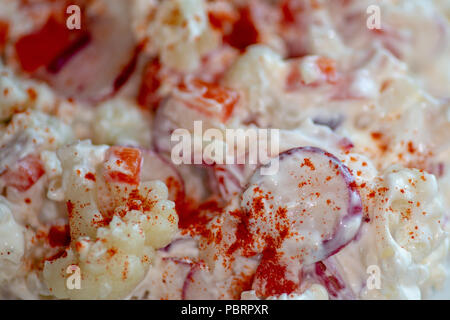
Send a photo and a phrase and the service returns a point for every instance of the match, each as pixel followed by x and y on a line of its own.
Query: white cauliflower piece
pixel 121 122
pixel 404 238
pixel 181 33
pixel 116 223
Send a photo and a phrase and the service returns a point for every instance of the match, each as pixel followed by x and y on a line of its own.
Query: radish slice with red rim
pixel 24 174
pixel 228 180
pixel 199 284
pixel 310 207
pixel 173 275
pixel 327 273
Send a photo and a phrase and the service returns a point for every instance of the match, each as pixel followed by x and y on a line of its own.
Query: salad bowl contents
pixel 99 97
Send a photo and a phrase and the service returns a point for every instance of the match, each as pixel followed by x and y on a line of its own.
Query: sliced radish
pixel 180 261
pixel 155 167
pixel 162 129
pixel 54 42
pixel 228 180
pixel 179 243
pixel 99 61
pixel 327 274
pixel 199 284
pixel 310 207
pixel 275 276
pixel 173 275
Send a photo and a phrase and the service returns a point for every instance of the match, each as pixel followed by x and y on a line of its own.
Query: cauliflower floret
pixel 116 222
pixel 12 243
pixel 120 122
pixel 181 33
pixel 404 238
pixel 415 224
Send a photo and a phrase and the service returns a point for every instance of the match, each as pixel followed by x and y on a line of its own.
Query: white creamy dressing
pixel 392 104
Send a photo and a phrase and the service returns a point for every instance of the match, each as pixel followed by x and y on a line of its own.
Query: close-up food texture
pixel 225 149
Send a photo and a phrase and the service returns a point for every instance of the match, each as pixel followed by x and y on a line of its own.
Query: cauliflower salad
pixel 93 205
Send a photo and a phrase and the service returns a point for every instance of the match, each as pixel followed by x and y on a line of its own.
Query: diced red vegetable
pixel 128 70
pixel 123 165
